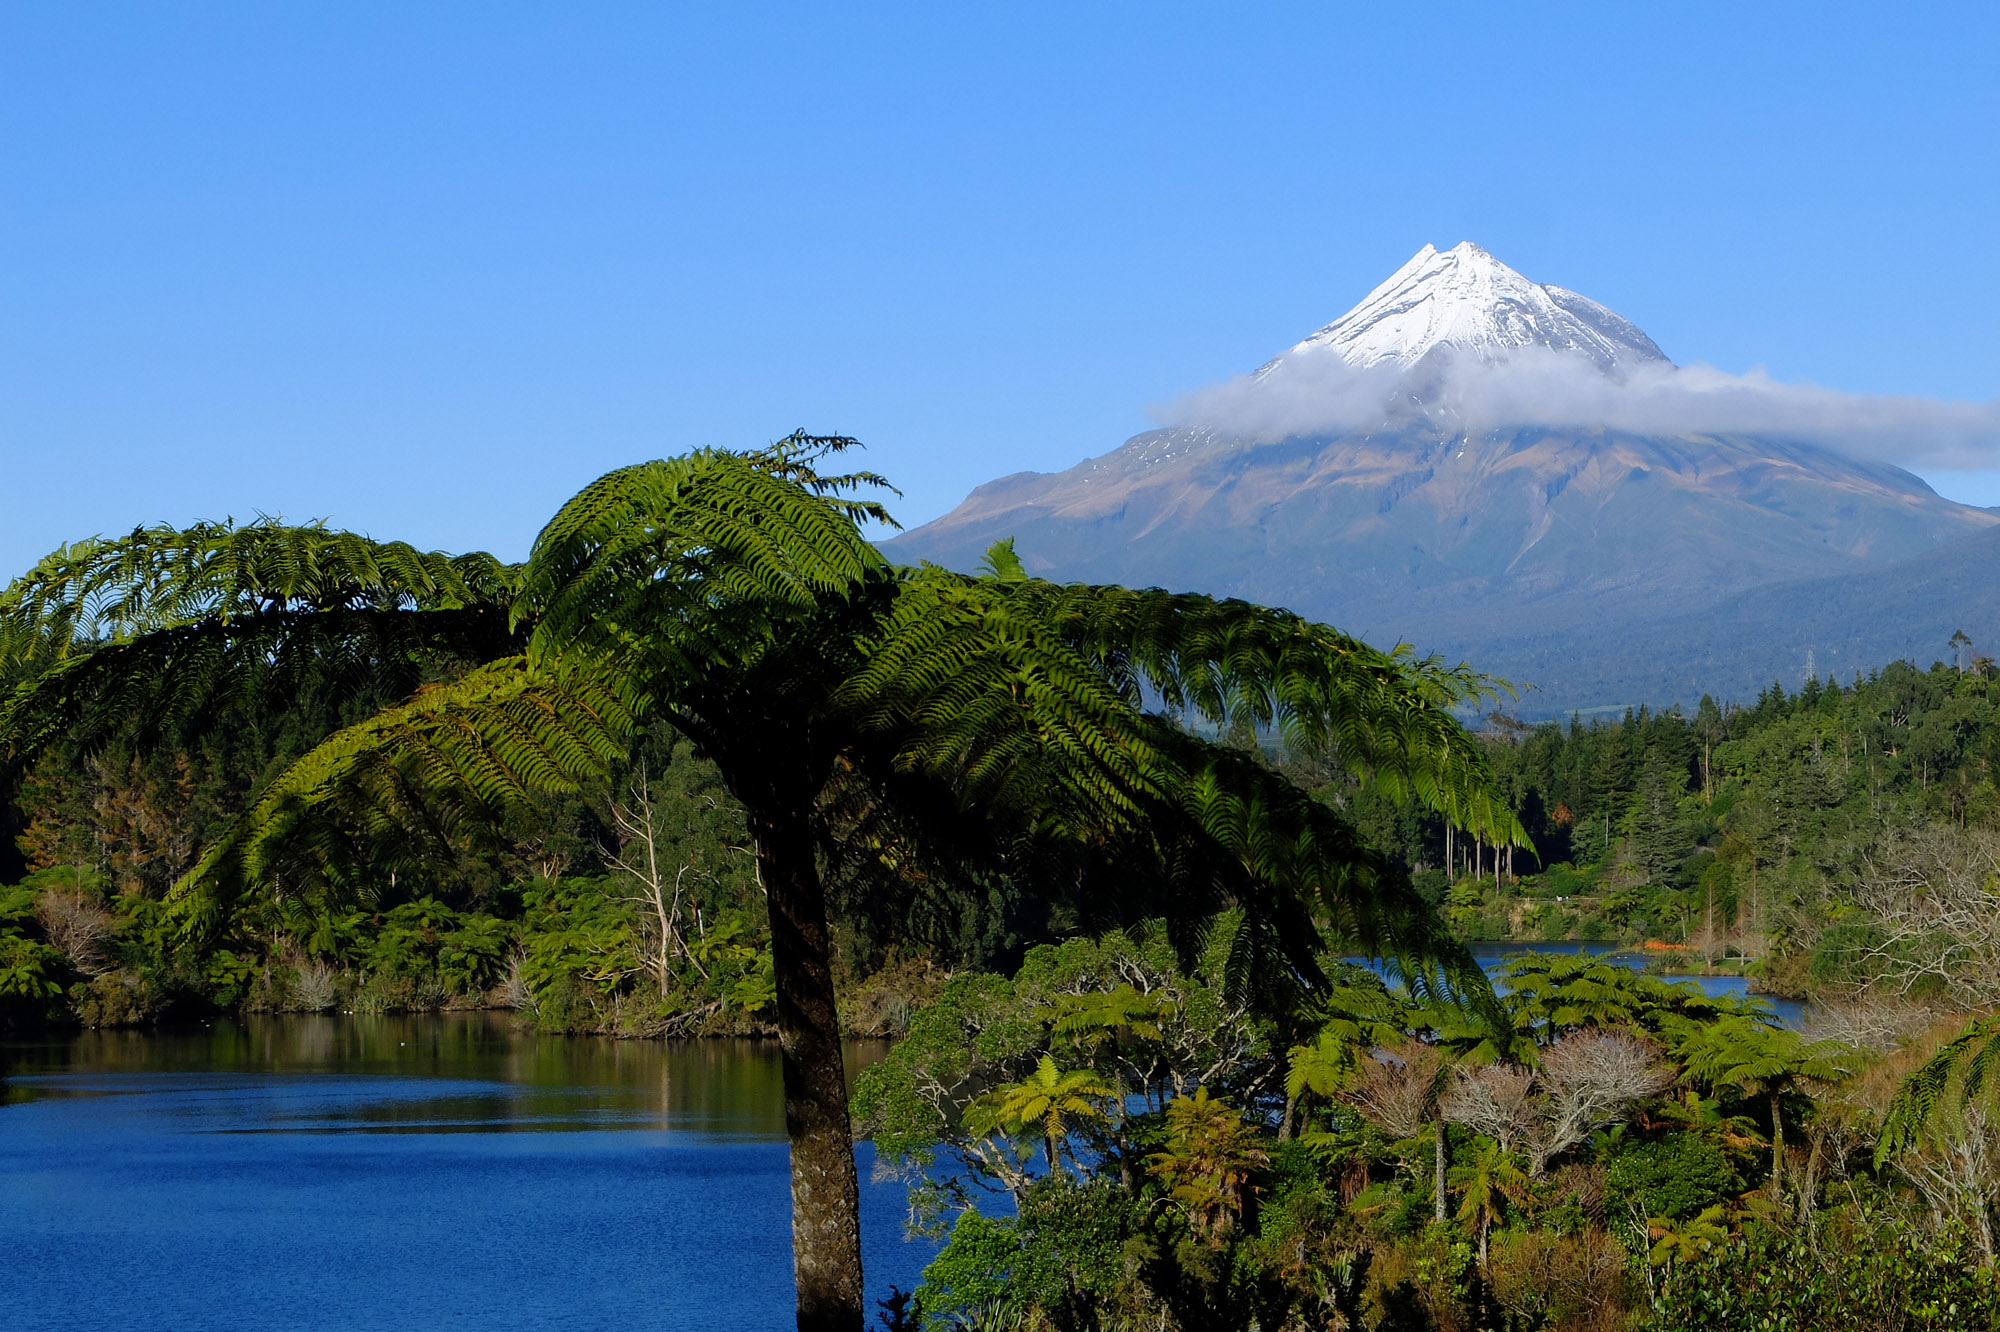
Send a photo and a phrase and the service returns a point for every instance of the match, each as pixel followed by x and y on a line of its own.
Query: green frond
pixel 112 590
pixel 1955 1076
pixel 1001 563
pixel 410 785
pixel 1324 1067
pixel 795 458
pixel 146 686
pixel 168 626
pixel 1747 1054
pixel 690 558
pixel 1103 1012
pixel 970 688
pixel 1387 716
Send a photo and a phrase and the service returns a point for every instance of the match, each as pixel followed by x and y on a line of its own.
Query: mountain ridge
pixel 1501 543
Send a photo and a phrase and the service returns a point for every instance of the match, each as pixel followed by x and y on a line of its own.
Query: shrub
pixel 973 1270
pixel 1573 1281
pixel 79 928
pixel 313 986
pixel 1071 1264
pixel 1675 1176
pixel 29 969
pixel 1869 1277
pixel 115 999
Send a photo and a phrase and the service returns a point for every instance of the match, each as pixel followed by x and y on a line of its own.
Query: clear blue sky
pixel 426 269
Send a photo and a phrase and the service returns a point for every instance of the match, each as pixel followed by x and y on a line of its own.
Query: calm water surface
pixel 406 1173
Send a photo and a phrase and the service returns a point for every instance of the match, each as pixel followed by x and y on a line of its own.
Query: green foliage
pixel 1688 1241
pixel 1875 1275
pixel 1758 1059
pixel 1957 1076
pixel 1224 1225
pixel 1048 1100
pixel 1067 1257
pixel 957 1048
pixel 1118 1009
pixel 1489 1183
pixel 1675 1176
pixel 1078 1241
pixel 30 971
pixel 1551 994
pixel 1739 831
pixel 974 1271
pixel 958 721
pixel 142 634
pixel 1208 1163
pixel 407 788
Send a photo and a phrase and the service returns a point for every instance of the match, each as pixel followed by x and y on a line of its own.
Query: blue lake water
pixel 404 1173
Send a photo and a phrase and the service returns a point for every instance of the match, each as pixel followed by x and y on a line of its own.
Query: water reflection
pixel 437 1073
pixel 353 1174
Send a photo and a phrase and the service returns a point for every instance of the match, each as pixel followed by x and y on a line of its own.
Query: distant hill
pixel 1607 566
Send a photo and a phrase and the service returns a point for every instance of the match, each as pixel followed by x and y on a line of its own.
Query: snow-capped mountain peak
pixel 1466 300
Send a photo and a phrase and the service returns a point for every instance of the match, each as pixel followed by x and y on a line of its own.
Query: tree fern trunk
pixel 826 1196
pixel 1443 1168
pixel 1777 1146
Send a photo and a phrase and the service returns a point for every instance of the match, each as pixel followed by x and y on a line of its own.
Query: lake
pixel 432 1172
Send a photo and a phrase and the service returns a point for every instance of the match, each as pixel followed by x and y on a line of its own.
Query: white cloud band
pixel 1313 391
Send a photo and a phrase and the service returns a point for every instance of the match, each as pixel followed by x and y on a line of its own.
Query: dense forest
pixel 631 911
pixel 1138 1140
pixel 1821 840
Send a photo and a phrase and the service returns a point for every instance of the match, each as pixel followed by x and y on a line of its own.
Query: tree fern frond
pixel 795 458
pixel 112 590
pixel 1384 715
pixel 713 545
pixel 411 784
pixel 1956 1075
pixel 192 673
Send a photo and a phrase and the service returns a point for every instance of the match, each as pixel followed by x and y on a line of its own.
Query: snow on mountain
pixel 1466 300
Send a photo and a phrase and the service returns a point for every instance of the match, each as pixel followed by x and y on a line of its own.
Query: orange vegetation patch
pixel 1662 946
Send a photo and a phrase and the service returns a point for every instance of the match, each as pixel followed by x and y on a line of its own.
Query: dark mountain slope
pixel 1737 647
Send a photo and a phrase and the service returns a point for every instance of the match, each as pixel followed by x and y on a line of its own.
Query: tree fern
pixel 1955 1076
pixel 908 726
